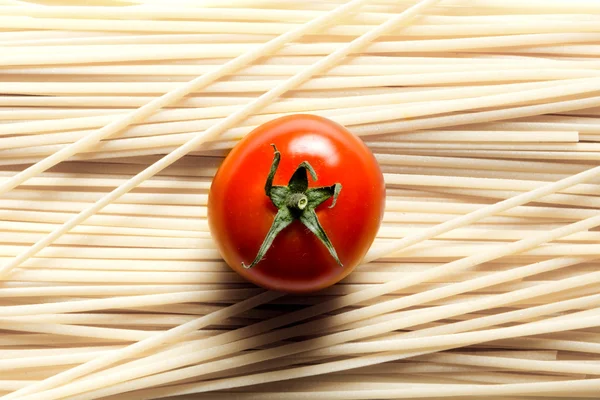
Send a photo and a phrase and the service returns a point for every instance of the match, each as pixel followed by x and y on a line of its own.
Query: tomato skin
pixel 240 213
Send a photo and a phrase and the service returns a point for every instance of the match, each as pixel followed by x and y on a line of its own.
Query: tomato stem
pixel 297 201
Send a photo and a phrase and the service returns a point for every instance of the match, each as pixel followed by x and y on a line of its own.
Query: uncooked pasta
pixel 482 282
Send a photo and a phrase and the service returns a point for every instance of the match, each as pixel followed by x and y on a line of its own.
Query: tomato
pixel 313 230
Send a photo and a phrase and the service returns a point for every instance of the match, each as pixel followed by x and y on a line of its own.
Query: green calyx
pixel 297 201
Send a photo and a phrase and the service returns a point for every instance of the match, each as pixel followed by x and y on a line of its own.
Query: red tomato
pixel 241 214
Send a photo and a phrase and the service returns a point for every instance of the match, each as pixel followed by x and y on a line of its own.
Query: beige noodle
pixel 483 279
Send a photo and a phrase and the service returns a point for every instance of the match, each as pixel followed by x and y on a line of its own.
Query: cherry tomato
pixel 296 204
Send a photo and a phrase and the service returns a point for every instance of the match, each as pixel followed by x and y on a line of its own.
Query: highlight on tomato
pixel 296 204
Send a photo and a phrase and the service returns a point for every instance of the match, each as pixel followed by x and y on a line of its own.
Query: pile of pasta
pixel 483 281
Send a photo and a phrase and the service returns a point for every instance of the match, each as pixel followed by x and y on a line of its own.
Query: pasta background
pixel 482 283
